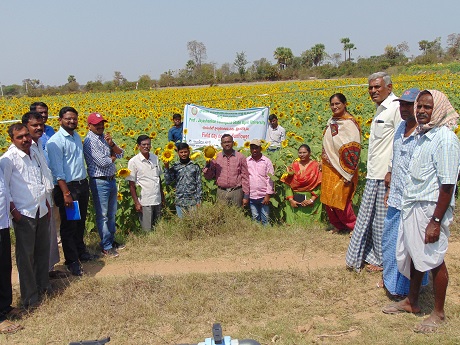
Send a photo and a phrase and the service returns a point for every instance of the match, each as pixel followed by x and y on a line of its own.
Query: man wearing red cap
pixel 100 154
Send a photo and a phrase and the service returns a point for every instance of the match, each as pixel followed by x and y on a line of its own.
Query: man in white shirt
pixel 145 171
pixel 275 133
pixel 366 241
pixel 35 124
pixel 24 174
pixel 6 290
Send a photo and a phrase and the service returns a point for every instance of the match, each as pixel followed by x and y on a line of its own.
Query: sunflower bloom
pixel 290 134
pixel 157 151
pixel 285 143
pixel 123 172
pixel 298 138
pixel 209 152
pixel 167 156
pixel 195 155
pixel 185 131
pixel 170 146
pixel 119 197
pixel 246 144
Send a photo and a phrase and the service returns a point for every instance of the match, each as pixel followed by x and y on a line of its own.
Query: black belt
pixel 230 189
pixel 107 178
pixel 78 182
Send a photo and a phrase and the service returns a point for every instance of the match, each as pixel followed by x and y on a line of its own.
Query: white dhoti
pixel 411 239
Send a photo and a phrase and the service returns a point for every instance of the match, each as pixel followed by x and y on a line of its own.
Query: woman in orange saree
pixel 340 158
pixel 303 189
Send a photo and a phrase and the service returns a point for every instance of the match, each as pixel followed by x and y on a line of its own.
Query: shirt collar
pixel 388 101
pixel 232 154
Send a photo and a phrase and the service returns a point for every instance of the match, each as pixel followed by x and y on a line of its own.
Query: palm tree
pixel 283 56
pixel 345 41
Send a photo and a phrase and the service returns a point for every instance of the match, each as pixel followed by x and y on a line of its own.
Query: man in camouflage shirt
pixel 186 175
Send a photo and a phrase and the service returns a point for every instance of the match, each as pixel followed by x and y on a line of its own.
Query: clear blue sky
pixel 50 40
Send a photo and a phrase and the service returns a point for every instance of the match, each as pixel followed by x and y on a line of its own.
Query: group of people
pixel 402 227
pixel 42 170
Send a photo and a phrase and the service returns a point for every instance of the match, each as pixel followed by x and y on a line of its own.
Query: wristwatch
pixel 436 220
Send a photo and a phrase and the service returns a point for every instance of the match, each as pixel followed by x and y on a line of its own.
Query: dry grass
pixel 328 306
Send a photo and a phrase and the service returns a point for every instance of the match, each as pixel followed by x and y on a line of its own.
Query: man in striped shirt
pixel 427 207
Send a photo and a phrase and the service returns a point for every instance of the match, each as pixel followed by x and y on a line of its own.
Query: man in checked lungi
pixel 366 241
pixel 427 208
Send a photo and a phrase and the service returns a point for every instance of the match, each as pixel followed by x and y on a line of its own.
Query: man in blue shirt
pixel 65 152
pixel 175 132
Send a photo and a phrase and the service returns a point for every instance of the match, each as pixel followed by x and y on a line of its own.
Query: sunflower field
pixel 302 108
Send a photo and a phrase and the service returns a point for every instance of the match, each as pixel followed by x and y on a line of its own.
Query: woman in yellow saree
pixel 303 189
pixel 340 158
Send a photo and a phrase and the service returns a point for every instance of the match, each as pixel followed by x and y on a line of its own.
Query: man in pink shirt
pixel 261 185
pixel 231 173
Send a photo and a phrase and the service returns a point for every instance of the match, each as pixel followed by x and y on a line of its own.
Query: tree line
pixel 311 63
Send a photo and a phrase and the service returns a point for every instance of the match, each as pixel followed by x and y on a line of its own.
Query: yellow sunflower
pixel 285 143
pixel 170 146
pixel 123 172
pixel 119 197
pixel 298 138
pixel 290 134
pixel 369 121
pixel 246 144
pixel 157 151
pixel 195 155
pixel 209 152
pixel 167 155
pixel 185 131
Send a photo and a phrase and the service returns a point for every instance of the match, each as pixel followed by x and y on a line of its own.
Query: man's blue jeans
pixel 259 211
pixel 105 203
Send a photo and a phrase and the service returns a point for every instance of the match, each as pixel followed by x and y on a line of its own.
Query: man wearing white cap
pixel 100 154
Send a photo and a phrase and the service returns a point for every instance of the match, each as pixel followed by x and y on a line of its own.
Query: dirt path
pixel 275 261
pixel 309 260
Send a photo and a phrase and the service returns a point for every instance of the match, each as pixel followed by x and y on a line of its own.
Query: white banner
pixel 205 126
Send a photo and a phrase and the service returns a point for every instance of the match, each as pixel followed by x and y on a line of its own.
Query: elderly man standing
pixel 428 204
pixel 25 175
pixel 100 154
pixel 366 241
pixel 230 170
pixel 65 152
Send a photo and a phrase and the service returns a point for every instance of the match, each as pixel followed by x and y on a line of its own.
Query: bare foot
pixel 403 306
pixel 430 324
pixel 8 327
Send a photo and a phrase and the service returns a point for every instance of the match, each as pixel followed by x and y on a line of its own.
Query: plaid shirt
pixel 187 178
pixel 97 156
